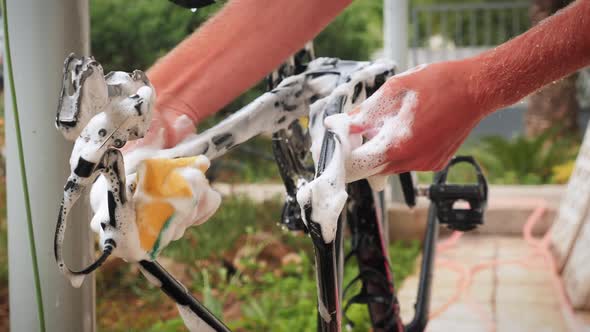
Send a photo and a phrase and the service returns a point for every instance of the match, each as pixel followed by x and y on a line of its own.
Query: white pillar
pixel 395 26
pixel 395 44
pixel 42 34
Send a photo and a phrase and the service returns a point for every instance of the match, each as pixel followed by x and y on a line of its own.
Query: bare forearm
pixel 551 50
pixel 234 50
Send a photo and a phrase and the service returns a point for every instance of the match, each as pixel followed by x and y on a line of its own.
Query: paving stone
pixel 512 248
pixel 525 294
pixel 409 287
pixel 471 249
pixel 512 297
pixel 454 322
pixel 533 318
pixel 519 274
pixel 583 316
pixel 469 259
pixel 482 287
pixel 468 313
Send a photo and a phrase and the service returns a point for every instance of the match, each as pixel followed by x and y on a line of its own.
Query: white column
pixel 42 34
pixel 395 44
pixel 395 26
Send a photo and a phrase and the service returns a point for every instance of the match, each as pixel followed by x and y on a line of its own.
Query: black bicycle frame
pixel 370 250
pixel 369 247
pixel 180 294
pixel 326 253
pixel 422 305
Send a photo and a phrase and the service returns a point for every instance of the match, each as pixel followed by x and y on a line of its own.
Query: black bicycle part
pixel 191 4
pixel 86 171
pixel 422 305
pixel 370 250
pixel 179 293
pixel 366 218
pixel 378 291
pixel 377 282
pixel 291 146
pixel 326 256
pixel 327 279
pixel 408 188
pixel 445 195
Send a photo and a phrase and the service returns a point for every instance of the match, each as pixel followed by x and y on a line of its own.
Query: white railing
pixel 454 31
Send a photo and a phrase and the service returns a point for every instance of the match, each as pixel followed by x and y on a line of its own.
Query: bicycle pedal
pixel 459 206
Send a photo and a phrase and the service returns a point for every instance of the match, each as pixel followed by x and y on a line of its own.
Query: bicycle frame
pixel 357 206
pixel 332 86
pixel 364 221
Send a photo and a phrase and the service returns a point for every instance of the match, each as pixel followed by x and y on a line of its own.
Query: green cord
pixel 23 171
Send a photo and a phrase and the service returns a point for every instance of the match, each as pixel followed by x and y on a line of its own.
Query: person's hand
pixel 166 130
pixel 415 121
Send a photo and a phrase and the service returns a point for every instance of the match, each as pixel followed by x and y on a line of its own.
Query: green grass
pixel 269 298
pixel 251 162
pixel 235 217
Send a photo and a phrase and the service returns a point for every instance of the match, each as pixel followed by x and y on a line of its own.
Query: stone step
pixel 507 211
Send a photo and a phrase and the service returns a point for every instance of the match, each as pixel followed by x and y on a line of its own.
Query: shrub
pixel 127 35
pixel 524 160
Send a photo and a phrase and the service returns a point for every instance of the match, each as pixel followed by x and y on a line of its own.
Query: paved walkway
pixel 503 298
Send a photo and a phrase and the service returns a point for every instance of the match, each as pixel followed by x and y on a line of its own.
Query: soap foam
pixel 390 127
pixel 193 322
pixel 76 279
pixel 326 194
pixel 271 112
pixel 188 211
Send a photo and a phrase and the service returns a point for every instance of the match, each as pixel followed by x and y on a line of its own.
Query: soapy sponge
pixel 171 195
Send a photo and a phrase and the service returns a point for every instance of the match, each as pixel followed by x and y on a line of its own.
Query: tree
pixel 355 34
pixel 128 35
pixel 555 103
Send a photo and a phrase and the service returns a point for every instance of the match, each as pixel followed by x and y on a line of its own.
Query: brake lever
pixel 100 113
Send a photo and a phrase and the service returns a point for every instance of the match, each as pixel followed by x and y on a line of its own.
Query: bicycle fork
pixel 329 312
pixel 370 249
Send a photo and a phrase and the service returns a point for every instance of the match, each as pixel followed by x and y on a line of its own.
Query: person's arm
pixel 418 119
pixel 231 52
pixel 556 47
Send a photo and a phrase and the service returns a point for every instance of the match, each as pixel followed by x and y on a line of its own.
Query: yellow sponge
pixel 151 219
pixel 159 181
pixel 160 178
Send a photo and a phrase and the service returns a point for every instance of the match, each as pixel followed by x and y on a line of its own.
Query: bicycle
pixel 304 86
